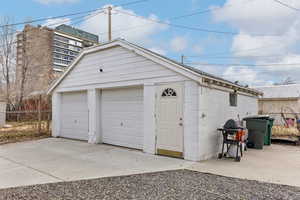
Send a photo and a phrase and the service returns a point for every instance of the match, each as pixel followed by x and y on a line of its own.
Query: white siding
pixel 149 118
pixel 214 111
pixel 118 65
pixel 191 121
pixel 2 113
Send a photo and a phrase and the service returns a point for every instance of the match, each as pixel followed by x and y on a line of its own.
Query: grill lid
pixel 231 124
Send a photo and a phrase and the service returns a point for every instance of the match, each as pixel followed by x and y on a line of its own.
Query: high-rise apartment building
pixel 44 53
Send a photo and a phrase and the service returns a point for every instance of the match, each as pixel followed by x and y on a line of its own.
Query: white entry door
pixel 74 116
pixel 169 116
pixel 122 117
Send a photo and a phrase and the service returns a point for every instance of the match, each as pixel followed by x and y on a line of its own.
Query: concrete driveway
pixel 54 160
pixel 274 164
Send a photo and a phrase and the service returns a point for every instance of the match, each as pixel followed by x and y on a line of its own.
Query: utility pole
pixel 109 23
pixel 182 59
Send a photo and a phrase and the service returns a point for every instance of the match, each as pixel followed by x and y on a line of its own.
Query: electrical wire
pixel 66 15
pixel 286 5
pixel 192 28
pixel 239 64
pixel 69 14
pixel 173 18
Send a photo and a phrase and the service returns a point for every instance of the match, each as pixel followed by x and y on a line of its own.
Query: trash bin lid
pixel 257 117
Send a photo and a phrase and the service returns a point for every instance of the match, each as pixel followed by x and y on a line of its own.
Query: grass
pixel 22 131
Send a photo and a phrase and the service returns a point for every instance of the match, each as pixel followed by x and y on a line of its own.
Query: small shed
pixel 122 94
pixel 2 113
pixel 279 99
pixel 281 102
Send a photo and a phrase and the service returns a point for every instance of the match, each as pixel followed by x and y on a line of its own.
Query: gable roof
pixel 280 91
pixel 191 72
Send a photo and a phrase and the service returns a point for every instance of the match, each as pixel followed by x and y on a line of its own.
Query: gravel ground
pixel 177 184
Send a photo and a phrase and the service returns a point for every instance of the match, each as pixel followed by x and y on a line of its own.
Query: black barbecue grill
pixel 233 134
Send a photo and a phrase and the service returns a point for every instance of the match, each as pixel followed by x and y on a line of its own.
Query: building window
pixel 233 99
pixel 169 92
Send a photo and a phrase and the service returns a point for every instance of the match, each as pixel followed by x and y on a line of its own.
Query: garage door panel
pixel 122 117
pixel 79 134
pixel 74 115
pixel 125 141
pixel 83 125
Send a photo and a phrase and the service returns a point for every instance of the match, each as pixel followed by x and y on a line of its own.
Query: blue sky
pixel 266 32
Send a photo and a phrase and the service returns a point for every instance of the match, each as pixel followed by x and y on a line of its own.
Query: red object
pixel 240 135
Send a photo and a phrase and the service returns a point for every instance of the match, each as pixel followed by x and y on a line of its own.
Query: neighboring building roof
pixel 158 58
pixel 77 32
pixel 280 91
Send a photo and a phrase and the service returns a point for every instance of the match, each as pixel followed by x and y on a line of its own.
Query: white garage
pixel 121 94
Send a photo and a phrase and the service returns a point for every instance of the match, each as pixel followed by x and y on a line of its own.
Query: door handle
pixel 180 124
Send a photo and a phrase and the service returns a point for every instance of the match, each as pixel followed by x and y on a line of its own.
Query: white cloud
pixel 268 33
pixel 197 49
pixel 264 25
pixel 52 23
pixel 242 74
pixel 178 43
pixel 131 28
pixel 252 16
pixel 56 1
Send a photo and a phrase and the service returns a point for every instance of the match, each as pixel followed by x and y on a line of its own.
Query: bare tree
pixel 24 68
pixel 7 55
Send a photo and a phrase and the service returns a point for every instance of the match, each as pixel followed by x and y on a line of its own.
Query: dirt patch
pixel 21 131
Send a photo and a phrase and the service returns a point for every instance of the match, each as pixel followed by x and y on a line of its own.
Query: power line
pixel 188 27
pixel 53 24
pixel 237 57
pixel 61 16
pixel 70 14
pixel 286 5
pixel 86 18
pixel 48 18
pixel 173 18
pixel 239 64
pixel 180 26
pixel 206 11
pixel 231 52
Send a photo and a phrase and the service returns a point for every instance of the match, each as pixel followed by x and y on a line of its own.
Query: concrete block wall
pixel 214 111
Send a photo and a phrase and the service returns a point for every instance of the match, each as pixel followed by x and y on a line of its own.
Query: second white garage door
pixel 122 117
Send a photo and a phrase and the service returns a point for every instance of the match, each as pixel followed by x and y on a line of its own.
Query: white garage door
pixel 122 117
pixel 74 115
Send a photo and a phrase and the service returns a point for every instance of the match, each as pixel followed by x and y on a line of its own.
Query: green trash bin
pixel 268 136
pixel 259 131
